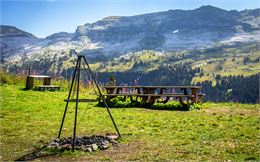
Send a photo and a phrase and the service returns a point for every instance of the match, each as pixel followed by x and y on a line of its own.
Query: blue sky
pixel 45 17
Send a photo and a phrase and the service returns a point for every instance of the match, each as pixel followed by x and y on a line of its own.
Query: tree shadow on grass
pixel 170 107
pixel 38 153
pixel 24 89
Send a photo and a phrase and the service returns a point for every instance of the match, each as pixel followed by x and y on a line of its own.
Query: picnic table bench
pixel 47 87
pixel 149 94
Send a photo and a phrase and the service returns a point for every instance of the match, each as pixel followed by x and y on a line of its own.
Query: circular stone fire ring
pixel 84 143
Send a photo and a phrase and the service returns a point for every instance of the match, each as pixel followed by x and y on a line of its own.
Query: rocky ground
pixel 84 143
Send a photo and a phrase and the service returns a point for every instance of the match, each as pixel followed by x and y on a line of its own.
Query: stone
pixel 44 154
pixel 88 149
pixel 82 147
pixel 77 147
pixel 60 148
pixel 50 147
pixel 52 143
pixel 104 145
pixel 57 140
pixel 67 146
pixel 94 147
pixel 112 137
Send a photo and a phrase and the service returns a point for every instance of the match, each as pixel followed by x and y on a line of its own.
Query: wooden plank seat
pixel 152 87
pixel 47 87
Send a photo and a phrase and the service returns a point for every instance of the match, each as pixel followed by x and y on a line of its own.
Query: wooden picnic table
pixel 149 94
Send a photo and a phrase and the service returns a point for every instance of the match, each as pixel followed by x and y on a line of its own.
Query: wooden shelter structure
pixel 46 83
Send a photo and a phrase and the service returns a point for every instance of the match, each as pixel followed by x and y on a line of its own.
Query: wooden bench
pixel 47 87
pixel 147 95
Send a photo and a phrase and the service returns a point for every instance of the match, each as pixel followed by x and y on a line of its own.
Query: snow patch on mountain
pixel 243 37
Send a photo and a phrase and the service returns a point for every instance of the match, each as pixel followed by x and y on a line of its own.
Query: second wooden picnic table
pixel 149 94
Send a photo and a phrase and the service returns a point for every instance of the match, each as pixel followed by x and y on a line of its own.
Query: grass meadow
pixel 216 132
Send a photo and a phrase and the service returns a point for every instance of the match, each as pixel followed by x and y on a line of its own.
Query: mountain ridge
pixel 113 36
pixel 9 31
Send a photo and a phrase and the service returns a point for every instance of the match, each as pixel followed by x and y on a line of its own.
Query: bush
pixel 6 78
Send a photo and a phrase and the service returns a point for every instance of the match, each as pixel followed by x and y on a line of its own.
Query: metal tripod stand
pixel 76 78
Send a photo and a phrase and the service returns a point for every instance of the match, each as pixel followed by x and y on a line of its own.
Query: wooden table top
pixel 195 87
pixel 39 76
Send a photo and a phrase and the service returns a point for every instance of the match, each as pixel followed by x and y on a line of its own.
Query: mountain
pixel 113 36
pixel 10 31
pixel 170 30
pixel 13 40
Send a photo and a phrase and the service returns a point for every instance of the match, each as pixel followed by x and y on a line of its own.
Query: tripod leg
pixel 119 135
pixel 76 109
pixel 102 97
pixel 67 103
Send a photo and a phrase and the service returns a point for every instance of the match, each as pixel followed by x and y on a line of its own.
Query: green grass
pixel 217 132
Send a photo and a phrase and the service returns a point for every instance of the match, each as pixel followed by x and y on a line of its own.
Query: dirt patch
pixel 119 152
pixel 232 110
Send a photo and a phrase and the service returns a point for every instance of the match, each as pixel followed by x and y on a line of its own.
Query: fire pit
pixel 76 83
pixel 84 143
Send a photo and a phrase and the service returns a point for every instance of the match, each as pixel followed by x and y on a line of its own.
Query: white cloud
pixel 175 31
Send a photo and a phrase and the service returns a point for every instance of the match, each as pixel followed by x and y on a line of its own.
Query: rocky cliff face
pixel 14 40
pixel 170 30
pixel 166 31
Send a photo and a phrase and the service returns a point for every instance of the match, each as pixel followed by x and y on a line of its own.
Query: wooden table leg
pixel 183 105
pixel 166 100
pixel 29 82
pixel 46 81
pixel 148 101
pixel 194 91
